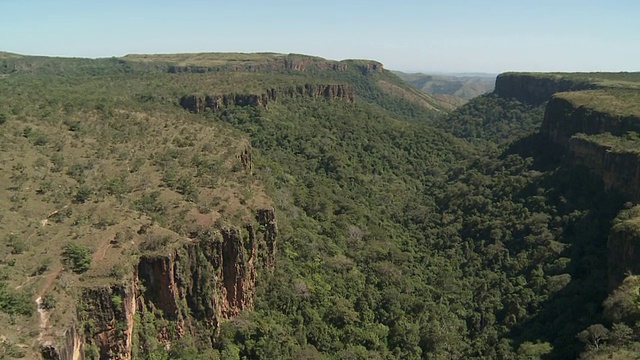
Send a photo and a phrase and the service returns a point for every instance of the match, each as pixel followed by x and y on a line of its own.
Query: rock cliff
pixel 193 286
pixel 197 103
pixel 564 119
pixel 535 89
pixel 598 130
pixel 618 169
pixel 107 314
pixel 71 348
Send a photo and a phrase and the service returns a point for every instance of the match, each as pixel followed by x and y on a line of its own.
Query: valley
pixel 283 206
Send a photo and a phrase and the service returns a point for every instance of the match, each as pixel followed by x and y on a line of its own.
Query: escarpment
pixel 596 139
pixel 197 103
pixel 598 129
pixel 281 63
pixel 618 169
pixel 563 119
pixel 536 88
pixel 595 134
pixel 190 288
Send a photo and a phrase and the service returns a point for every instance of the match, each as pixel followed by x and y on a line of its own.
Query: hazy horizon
pixel 428 37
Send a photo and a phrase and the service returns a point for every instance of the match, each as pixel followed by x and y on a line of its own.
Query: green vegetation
pixel 616 102
pixel 77 257
pixel 15 303
pixel 489 118
pixel 404 232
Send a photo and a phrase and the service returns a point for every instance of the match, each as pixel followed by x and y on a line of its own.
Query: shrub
pixel 14 303
pixel 78 257
pixel 48 302
pixel 83 194
pixel 17 246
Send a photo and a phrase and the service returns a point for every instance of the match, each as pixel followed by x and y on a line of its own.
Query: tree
pixel 620 334
pixel 594 335
pixel 622 305
pixel 78 257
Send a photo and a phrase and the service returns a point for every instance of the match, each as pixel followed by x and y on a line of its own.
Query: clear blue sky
pixel 444 35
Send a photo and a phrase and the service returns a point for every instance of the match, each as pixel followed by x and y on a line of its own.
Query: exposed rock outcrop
pixel 107 314
pixel 70 349
pixel 535 89
pixel 618 170
pixel 576 128
pixel 370 67
pixel 195 285
pixel 197 103
pixel 562 120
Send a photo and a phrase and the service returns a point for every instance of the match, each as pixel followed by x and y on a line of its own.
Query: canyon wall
pixel 563 119
pixel 191 287
pixel 535 89
pixel 197 103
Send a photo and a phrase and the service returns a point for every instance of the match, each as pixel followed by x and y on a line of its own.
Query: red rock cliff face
pixel 70 349
pixel 107 315
pixel 194 286
pixel 215 275
pixel 619 171
pixel 197 103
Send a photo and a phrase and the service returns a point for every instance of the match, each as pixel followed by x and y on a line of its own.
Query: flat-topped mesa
pixel 272 62
pixel 535 89
pixel 197 103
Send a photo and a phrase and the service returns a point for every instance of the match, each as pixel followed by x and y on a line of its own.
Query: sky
pixel 489 36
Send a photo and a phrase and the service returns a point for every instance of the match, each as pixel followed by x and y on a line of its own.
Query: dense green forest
pixel 405 232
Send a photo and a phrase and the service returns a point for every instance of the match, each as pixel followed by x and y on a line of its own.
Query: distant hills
pixel 464 86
